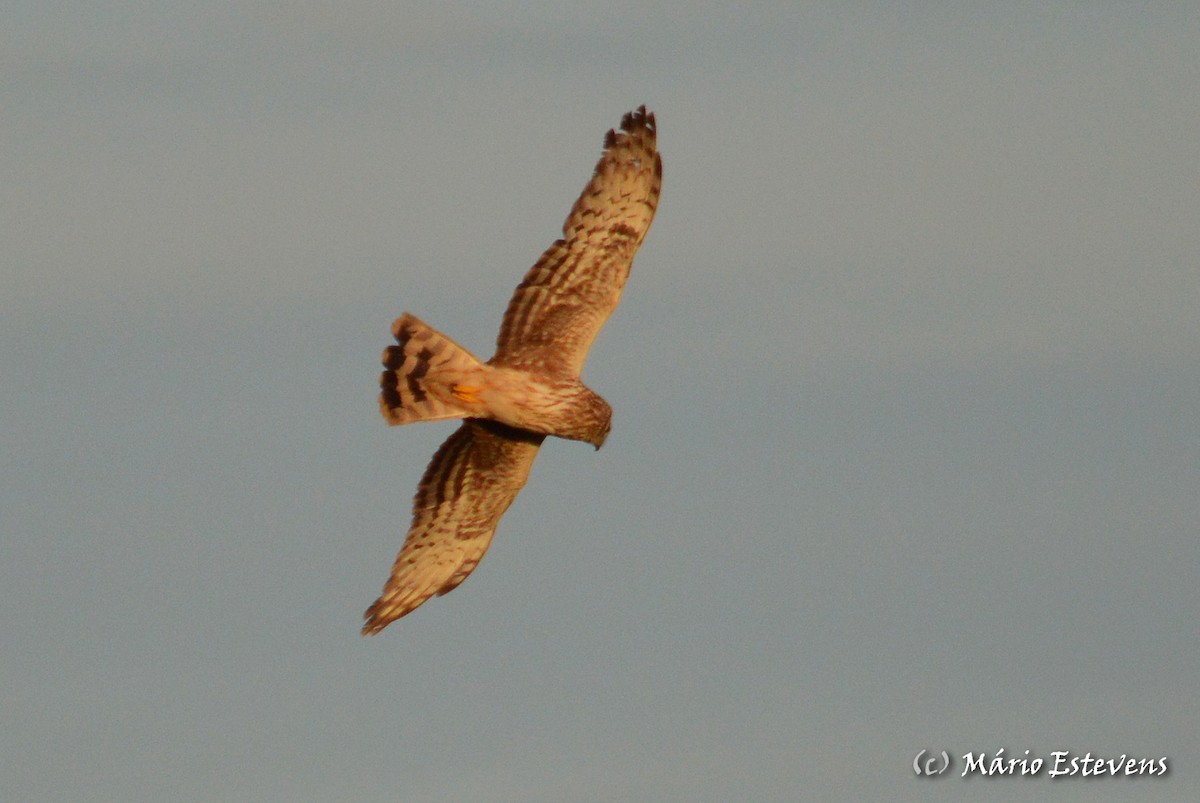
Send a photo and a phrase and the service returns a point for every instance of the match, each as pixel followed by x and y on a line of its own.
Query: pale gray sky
pixel 906 379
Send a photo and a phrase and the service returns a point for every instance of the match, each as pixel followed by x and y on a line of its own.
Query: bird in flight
pixel 529 389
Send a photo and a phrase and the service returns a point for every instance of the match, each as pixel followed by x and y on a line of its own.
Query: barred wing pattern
pixel 557 311
pixel 550 323
pixel 471 481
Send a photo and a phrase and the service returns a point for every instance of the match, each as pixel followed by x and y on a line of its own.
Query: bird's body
pixel 529 389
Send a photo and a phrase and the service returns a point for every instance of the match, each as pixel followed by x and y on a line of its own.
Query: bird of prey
pixel 529 389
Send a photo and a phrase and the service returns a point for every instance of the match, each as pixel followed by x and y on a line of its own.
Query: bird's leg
pixel 468 394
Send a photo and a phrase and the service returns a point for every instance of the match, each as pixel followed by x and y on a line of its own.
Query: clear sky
pixel 906 445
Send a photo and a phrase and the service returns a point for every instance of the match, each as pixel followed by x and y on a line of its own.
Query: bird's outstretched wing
pixel 566 297
pixel 471 481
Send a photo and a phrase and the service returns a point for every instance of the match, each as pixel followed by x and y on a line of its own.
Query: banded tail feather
pixel 422 372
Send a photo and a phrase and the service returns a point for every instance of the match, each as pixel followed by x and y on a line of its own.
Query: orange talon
pixel 469 394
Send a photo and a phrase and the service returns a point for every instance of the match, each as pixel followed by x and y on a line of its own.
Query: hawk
pixel 528 390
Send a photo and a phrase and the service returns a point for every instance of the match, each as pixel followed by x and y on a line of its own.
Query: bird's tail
pixel 426 374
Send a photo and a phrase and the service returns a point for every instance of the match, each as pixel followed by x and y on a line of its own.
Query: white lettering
pixel 1060 757
pixel 973 764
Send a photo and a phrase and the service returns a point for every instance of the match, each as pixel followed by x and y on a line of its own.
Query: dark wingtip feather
pixel 637 120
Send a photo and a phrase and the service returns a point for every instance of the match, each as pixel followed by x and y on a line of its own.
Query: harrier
pixel 529 389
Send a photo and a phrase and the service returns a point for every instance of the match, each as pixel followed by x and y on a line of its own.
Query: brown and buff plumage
pixel 529 389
